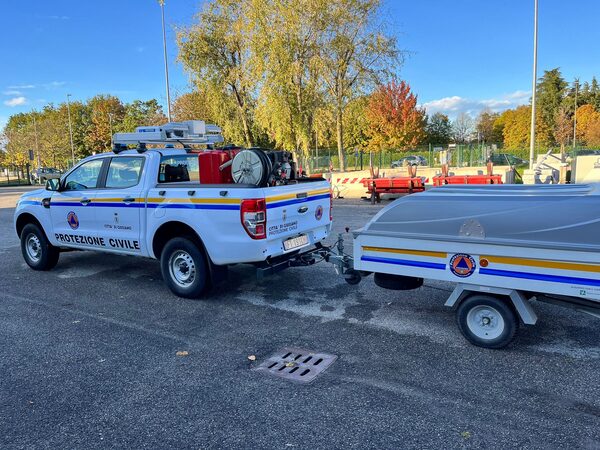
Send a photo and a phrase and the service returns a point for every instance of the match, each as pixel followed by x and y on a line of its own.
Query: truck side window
pixel 124 172
pixel 84 177
pixel 179 168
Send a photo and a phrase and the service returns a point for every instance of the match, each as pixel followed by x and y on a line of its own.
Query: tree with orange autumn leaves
pixel 394 120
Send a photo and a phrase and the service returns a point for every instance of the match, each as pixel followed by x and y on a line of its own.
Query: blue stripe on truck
pixel 297 200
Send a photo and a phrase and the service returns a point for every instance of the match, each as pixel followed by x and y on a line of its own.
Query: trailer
pixel 506 246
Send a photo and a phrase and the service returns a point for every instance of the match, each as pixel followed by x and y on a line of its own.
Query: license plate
pixel 295 242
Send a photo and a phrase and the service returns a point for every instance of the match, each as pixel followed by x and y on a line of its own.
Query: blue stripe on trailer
pixel 539 277
pixel 404 262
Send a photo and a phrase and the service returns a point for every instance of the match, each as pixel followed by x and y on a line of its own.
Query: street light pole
pixel 110 126
pixel 534 85
pixel 37 147
pixel 70 130
pixel 575 117
pixel 162 9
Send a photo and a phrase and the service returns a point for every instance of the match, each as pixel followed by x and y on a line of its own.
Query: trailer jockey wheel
pixel 352 276
pixel 487 321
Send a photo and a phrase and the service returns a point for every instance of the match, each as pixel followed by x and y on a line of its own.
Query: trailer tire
pixel 487 321
pixel 184 268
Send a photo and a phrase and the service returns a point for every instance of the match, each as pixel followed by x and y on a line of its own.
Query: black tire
pixel 179 256
pixel 352 277
pixel 38 252
pixel 397 282
pixel 476 309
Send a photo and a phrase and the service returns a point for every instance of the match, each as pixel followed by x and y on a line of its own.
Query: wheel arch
pixel 175 228
pixel 25 219
pixel 171 229
pixel 516 299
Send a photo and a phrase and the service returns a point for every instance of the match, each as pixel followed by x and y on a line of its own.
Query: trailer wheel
pixel 184 268
pixel 487 321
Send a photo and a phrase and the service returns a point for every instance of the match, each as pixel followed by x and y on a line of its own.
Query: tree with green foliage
pixel 355 55
pixel 551 90
pixel 285 48
pixel 216 52
pixel 139 113
pixel 104 115
pixel 438 130
pixel 488 129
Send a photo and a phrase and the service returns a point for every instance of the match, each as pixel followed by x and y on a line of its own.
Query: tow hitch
pixel 334 254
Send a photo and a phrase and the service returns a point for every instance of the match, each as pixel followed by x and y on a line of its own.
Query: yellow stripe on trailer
pixel 542 263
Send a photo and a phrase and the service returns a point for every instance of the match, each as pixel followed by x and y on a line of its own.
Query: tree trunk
pixel 247 131
pixel 340 137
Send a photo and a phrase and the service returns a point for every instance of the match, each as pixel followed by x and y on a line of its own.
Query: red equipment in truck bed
pixel 209 163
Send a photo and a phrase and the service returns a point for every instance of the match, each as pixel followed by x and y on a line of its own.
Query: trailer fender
pixel 522 306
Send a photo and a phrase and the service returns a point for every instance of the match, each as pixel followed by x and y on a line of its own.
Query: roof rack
pixel 185 133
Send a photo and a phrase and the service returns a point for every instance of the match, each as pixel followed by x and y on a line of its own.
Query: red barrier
pixel 467 179
pixel 395 185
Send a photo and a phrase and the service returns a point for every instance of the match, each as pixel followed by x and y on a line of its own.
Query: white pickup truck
pixel 120 202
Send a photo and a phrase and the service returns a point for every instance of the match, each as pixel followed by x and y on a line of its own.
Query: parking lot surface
pixel 88 359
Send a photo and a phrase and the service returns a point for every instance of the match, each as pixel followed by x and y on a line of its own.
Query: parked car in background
pixel 583 152
pixel 506 159
pixel 412 160
pixel 44 174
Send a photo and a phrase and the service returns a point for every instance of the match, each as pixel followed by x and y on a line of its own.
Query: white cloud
pixel 22 86
pixel 12 92
pixel 15 101
pixel 455 105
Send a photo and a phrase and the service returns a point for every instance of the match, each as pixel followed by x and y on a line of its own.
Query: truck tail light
pixel 331 205
pixel 253 214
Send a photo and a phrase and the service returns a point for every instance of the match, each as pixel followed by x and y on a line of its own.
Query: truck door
pixel 72 207
pixel 119 204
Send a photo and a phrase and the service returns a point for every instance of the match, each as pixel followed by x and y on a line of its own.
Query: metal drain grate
pixel 297 364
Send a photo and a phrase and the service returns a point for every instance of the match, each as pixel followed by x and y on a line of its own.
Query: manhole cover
pixel 297 364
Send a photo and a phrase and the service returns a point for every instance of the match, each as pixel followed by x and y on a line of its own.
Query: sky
pixel 461 55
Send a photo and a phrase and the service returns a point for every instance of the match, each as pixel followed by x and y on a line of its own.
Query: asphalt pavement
pixel 88 359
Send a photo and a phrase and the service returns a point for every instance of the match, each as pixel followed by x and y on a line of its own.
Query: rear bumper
pixel 258 251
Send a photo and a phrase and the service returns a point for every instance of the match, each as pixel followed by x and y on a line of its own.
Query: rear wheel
pixel 487 321
pixel 37 251
pixel 184 268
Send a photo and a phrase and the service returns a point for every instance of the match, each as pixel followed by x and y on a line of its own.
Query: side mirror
pixel 52 184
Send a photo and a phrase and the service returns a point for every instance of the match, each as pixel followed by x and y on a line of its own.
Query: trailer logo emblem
pixel 72 220
pixel 462 265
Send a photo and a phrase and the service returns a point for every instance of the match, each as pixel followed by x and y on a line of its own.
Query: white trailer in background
pixel 504 245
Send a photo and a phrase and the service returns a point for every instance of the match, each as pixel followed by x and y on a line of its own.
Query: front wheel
pixel 184 268
pixel 37 251
pixel 487 321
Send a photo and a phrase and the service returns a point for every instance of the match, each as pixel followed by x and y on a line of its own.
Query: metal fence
pixel 15 175
pixel 431 155
pixel 467 155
